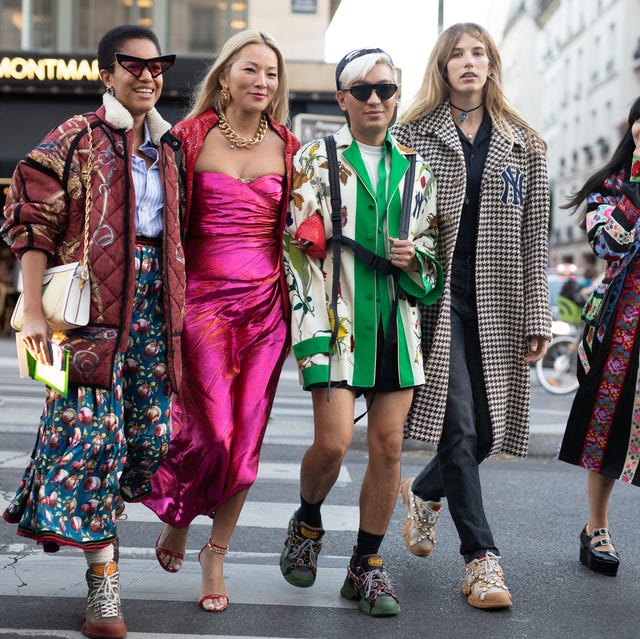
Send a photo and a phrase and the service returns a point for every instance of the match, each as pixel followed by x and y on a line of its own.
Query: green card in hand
pixel 55 376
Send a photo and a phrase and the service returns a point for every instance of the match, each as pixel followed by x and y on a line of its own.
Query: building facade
pixel 587 55
pixel 48 70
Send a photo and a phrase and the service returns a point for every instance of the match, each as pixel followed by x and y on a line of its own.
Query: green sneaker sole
pixel 304 580
pixel 386 607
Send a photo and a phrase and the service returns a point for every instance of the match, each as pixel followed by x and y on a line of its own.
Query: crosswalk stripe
pixel 278 471
pixel 258 514
pixel 70 634
pixel 247 583
pixel 23 399
pixel 13 459
pixel 282 471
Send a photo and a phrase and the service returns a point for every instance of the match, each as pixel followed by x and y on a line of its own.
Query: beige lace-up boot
pixel 419 528
pixel 484 585
pixel 102 617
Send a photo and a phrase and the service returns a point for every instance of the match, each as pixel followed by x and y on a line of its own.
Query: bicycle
pixel 557 370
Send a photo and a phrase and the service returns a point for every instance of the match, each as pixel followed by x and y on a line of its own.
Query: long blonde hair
pixel 435 87
pixel 207 93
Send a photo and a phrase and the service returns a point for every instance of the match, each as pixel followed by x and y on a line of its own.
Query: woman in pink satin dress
pixel 237 157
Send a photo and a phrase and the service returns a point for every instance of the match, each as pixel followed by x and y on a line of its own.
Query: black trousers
pixel 466 437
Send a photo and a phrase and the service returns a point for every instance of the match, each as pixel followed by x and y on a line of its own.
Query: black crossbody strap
pixel 407 198
pixel 336 225
pixel 391 337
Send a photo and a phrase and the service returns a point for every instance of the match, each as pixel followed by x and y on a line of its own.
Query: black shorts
pixel 387 377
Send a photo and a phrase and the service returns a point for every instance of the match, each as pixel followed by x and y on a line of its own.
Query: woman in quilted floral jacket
pixel 104 440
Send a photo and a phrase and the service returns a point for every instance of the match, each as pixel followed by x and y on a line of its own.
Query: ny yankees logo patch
pixel 512 193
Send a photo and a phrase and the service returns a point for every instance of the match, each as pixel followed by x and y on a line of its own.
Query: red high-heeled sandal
pixel 163 561
pixel 219 550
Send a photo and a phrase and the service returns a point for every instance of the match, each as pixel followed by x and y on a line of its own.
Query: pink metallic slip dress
pixel 233 346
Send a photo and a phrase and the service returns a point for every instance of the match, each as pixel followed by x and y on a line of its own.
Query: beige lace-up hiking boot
pixel 102 617
pixel 484 585
pixel 419 528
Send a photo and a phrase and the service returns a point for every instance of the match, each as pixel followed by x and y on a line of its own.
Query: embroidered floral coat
pixel 364 296
pixel 45 211
pixel 511 277
pixel 612 218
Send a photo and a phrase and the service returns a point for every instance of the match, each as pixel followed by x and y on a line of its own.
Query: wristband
pixel 635 170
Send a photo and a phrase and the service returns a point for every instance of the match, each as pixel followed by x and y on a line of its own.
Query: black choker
pixel 464 113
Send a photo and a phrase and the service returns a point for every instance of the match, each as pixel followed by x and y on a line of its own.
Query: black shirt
pixel 475 155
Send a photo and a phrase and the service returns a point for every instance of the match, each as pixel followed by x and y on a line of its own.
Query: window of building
pixel 10 23
pixel 34 31
pixel 198 26
pixel 92 18
pixel 43 20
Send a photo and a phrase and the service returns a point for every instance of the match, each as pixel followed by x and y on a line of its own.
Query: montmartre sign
pixel 48 69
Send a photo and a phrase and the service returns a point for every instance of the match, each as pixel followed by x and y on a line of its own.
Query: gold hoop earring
pixel 225 96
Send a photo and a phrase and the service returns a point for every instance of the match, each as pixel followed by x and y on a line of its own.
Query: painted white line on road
pixel 13 459
pixel 266 514
pixel 70 634
pixel 55 576
pixel 279 471
pixel 22 400
pixel 148 553
pixel 282 471
pixel 291 376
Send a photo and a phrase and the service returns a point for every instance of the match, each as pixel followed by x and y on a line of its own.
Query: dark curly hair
pixel 113 40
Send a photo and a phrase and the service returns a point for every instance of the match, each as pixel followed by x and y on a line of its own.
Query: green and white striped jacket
pixel 365 296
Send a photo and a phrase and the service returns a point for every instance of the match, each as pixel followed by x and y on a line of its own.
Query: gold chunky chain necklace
pixel 235 139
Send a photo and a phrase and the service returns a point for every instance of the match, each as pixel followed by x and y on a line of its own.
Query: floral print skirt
pixel 97 446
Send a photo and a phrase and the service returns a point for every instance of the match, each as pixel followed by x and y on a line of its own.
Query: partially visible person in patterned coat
pixel 104 440
pixel 355 328
pixel 493 319
pixel 603 433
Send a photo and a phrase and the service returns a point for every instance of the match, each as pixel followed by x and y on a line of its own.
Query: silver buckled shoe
pixel 419 528
pixel 484 585
pixel 102 617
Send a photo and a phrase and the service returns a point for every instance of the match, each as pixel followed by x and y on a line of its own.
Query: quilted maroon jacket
pixel 45 211
pixel 192 132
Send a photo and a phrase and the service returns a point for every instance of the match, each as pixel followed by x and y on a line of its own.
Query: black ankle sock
pixel 310 513
pixel 367 544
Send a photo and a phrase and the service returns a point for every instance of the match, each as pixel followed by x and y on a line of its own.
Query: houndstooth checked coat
pixel 511 280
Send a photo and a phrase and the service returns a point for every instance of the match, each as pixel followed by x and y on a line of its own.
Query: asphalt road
pixel 536 508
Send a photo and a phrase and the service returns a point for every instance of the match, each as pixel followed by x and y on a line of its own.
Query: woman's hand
pixel 537 349
pixel 403 255
pixel 35 330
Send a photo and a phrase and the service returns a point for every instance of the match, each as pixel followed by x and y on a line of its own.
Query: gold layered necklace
pixel 236 141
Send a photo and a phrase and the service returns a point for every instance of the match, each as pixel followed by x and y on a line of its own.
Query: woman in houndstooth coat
pixel 493 319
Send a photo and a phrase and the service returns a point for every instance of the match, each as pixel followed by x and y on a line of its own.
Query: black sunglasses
pixel 135 66
pixel 362 92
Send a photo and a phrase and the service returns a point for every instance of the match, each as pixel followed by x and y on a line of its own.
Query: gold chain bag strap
pixel 66 289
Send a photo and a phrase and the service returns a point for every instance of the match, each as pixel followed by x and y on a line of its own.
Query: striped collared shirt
pixel 148 189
